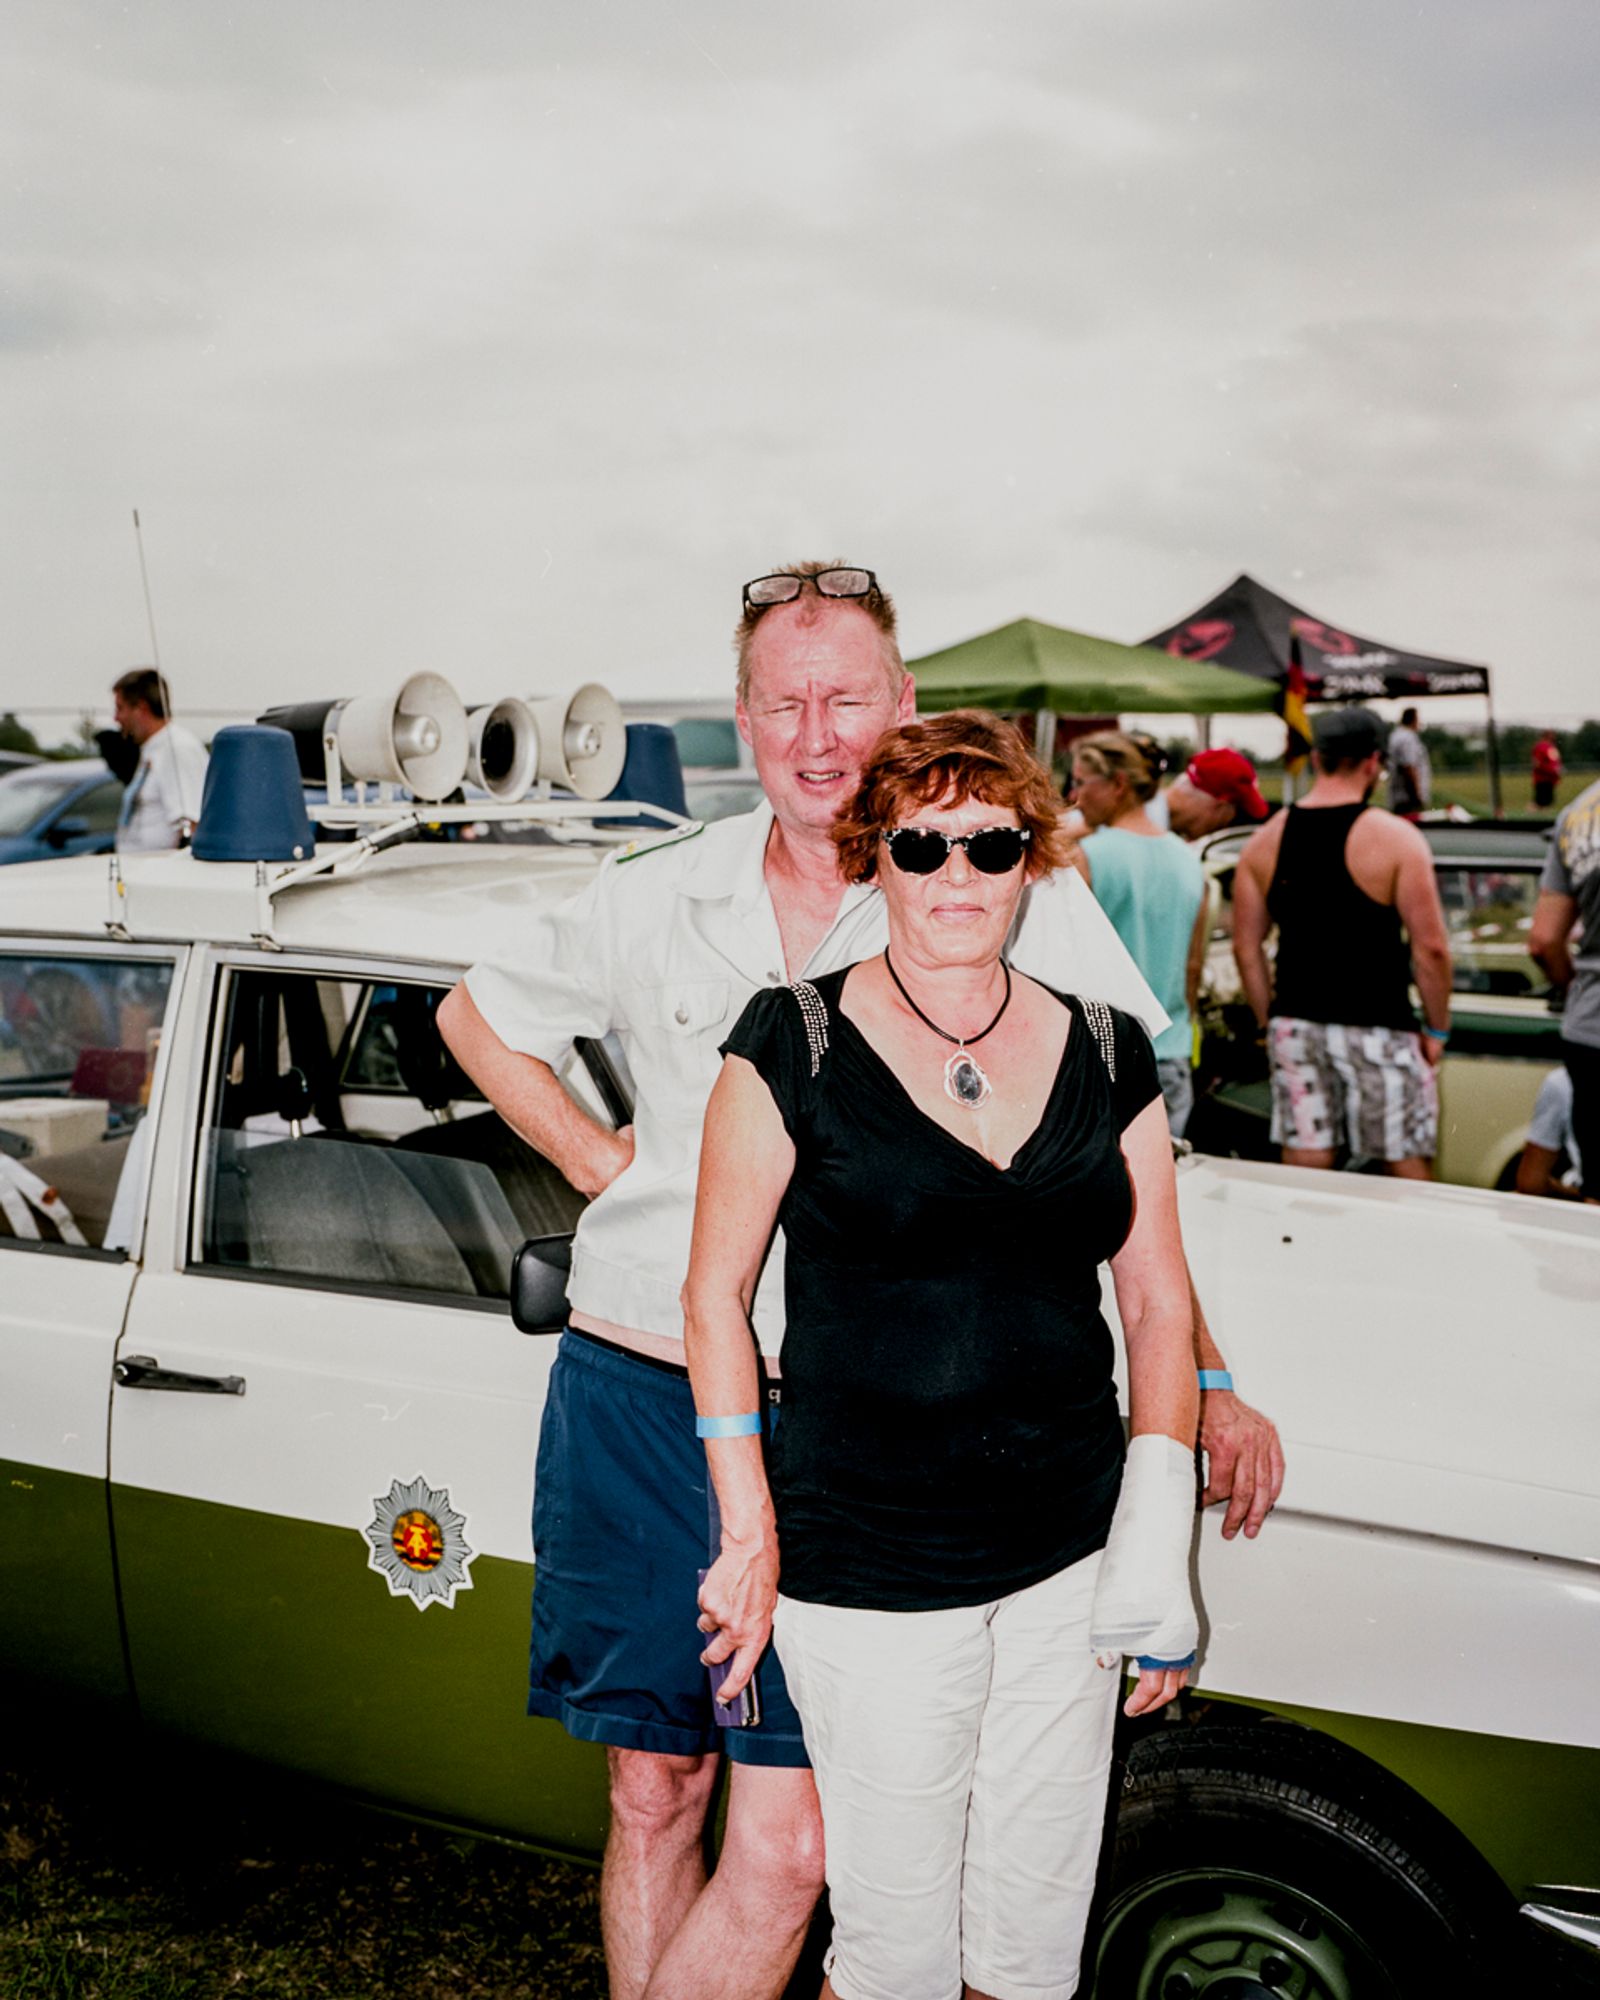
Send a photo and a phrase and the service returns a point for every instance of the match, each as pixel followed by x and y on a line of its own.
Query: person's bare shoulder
pixel 1260 852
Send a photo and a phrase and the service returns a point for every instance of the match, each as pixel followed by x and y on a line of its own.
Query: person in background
pixel 1565 940
pixel 1546 768
pixel 1153 890
pixel 1216 788
pixel 1410 769
pixel 162 801
pixel 1357 909
pixel 1551 1163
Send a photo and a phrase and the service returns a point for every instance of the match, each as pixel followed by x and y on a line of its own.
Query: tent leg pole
pixel 1202 731
pixel 1493 746
pixel 1044 736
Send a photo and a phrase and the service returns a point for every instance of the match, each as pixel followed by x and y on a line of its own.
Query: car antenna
pixel 149 612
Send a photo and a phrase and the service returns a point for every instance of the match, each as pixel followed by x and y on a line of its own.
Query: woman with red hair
pixel 952 1150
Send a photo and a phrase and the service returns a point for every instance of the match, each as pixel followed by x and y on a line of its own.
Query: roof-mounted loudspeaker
pixel 582 741
pixel 503 748
pixel 416 737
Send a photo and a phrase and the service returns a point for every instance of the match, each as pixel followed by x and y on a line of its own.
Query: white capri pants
pixel 962 1761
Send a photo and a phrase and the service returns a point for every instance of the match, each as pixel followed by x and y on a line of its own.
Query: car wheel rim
pixel 1228 1936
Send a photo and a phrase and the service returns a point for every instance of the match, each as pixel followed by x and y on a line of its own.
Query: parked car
pixel 1505 1037
pixel 267 1428
pixel 18 760
pixel 49 809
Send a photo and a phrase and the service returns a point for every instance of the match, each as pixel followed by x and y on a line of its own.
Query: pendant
pixel 965 1082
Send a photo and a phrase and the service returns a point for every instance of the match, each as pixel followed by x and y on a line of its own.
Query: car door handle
pixel 143 1371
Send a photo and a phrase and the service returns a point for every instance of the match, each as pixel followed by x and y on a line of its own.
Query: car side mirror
pixel 60 831
pixel 539 1274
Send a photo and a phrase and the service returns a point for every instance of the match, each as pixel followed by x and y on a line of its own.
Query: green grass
pixel 1469 789
pixel 146 1881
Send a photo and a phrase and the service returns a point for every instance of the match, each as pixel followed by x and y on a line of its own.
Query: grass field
pixel 1471 789
pixel 136 1881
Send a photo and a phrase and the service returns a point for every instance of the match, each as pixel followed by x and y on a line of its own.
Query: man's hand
pixel 1244 1461
pixel 604 1158
pixel 1432 1049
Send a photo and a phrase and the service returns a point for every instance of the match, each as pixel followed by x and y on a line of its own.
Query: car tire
pixel 1265 1862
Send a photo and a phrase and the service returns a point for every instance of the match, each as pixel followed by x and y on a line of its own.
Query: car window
pixel 99 809
pixel 344 1145
pixel 78 1043
pixel 1488 910
pixel 26 795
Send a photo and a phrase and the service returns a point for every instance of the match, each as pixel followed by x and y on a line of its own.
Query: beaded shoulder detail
pixel 815 1017
pixel 1098 1015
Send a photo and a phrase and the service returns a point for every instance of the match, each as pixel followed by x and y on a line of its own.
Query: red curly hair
pixel 944 760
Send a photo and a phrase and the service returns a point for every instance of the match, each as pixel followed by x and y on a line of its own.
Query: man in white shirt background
pixel 162 799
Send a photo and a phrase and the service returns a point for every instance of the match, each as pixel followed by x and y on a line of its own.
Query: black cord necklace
pixel 964 1079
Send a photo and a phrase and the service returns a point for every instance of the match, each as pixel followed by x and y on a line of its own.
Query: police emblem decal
pixel 418 1544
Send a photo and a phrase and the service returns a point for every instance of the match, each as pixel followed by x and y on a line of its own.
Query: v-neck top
pixel 950 1428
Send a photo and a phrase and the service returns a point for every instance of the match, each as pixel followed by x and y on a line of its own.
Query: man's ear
pixel 905 709
pixel 741 718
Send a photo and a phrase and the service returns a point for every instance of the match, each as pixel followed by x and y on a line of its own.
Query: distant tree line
pixel 15 735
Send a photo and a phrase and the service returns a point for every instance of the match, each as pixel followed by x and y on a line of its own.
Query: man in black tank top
pixel 1352 893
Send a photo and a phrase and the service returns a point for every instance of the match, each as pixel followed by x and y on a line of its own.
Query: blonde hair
pixel 877 604
pixel 1111 753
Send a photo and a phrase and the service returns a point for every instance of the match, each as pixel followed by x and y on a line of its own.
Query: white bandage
pixel 1142 1603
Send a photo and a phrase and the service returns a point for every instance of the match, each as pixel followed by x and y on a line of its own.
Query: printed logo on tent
pixel 418 1544
pixel 1201 638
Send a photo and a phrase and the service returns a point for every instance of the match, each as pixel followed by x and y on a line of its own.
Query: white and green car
pixel 267 1436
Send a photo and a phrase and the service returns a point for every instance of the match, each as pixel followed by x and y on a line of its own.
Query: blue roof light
pixel 253 808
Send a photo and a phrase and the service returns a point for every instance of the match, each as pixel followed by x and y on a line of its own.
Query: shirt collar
pixel 730 866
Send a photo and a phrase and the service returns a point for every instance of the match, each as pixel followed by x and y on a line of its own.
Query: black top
pixel 1341 956
pixel 950 1429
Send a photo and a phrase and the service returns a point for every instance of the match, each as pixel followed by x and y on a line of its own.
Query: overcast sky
pixel 507 340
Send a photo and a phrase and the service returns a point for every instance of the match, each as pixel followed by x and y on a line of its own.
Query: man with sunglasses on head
pixel 664 948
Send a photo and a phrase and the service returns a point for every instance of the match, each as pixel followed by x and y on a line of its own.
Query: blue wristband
pixel 1215 1378
pixel 1146 1665
pixel 748 1425
pixel 1440 1035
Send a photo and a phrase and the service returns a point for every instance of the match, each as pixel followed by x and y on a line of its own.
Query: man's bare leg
pixel 741 1939
pixel 1309 1156
pixel 1414 1169
pixel 655 1859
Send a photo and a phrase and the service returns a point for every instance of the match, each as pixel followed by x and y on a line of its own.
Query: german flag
pixel 1297 726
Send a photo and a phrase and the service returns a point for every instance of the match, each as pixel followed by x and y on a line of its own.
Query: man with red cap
pixel 1218 787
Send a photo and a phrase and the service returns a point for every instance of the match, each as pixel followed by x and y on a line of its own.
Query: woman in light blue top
pixel 1151 887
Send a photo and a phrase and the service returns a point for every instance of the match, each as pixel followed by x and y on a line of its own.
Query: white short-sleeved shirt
pixel 164 791
pixel 1551 1123
pixel 664 948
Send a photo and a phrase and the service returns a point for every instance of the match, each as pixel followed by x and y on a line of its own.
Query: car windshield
pixel 26 794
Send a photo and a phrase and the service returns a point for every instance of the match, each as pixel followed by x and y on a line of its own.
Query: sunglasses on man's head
pixel 783 587
pixel 923 850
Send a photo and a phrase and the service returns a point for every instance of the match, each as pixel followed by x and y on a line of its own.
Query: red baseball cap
pixel 1230 776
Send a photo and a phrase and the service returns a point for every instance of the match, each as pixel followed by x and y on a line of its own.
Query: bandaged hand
pixel 1142 1601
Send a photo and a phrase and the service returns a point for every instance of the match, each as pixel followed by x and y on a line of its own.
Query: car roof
pixel 450 902
pixel 72 770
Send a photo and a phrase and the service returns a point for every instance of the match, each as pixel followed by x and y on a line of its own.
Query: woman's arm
pixel 1152 1282
pixel 1153 1300
pixel 746 1159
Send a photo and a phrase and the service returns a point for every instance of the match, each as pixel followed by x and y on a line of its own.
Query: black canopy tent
pixel 1248 627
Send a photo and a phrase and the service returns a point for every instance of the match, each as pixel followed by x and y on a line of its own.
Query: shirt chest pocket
pixel 689 1019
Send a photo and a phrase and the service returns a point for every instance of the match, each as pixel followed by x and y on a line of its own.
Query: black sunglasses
pixel 783 587
pixel 923 850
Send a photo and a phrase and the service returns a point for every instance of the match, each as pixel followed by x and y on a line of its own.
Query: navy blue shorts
pixel 619 1536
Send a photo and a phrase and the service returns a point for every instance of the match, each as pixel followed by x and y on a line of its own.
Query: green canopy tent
pixel 1029 664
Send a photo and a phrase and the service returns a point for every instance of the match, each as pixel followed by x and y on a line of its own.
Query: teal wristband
pixel 748 1425
pixel 1215 1378
pixel 1440 1035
